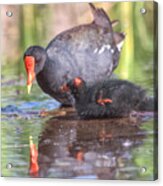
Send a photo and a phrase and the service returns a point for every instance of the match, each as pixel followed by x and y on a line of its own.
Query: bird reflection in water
pixel 98 149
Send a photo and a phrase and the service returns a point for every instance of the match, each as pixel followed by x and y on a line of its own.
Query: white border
pixel 58 182
pixel 52 1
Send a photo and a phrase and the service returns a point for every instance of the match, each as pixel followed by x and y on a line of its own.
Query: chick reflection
pixel 70 148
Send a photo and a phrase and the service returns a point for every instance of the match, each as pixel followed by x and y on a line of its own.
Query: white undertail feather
pixel 119 45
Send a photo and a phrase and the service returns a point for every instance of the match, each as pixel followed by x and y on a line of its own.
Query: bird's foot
pixel 104 101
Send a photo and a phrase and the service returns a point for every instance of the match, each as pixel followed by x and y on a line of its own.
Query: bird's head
pixel 34 60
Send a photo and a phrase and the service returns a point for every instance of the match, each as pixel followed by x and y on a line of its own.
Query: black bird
pixel 110 98
pixel 90 51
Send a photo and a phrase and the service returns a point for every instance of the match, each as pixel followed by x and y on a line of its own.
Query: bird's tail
pixel 101 18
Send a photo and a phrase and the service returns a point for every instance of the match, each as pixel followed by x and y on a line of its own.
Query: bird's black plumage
pixel 124 97
pixel 90 51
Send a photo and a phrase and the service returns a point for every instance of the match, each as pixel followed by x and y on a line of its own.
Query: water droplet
pixel 143 170
pixel 9 166
pixel 143 10
pixel 9 13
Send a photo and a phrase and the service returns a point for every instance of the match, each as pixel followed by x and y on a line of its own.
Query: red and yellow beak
pixel 30 69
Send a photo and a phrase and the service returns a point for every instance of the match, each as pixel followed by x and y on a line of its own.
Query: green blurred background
pixel 39 24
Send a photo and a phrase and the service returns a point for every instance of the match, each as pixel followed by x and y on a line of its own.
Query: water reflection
pixel 71 148
pixel 102 149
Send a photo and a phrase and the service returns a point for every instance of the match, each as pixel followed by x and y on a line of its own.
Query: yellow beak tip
pixel 29 89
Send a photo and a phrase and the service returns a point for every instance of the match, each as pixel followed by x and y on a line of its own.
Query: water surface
pixel 69 147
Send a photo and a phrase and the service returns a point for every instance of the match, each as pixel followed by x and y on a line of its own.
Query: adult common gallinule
pixel 110 98
pixel 90 51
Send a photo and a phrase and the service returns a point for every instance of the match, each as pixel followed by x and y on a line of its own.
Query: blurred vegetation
pixel 39 24
pixel 136 62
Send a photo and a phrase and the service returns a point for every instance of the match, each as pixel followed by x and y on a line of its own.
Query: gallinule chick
pixel 90 51
pixel 110 98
